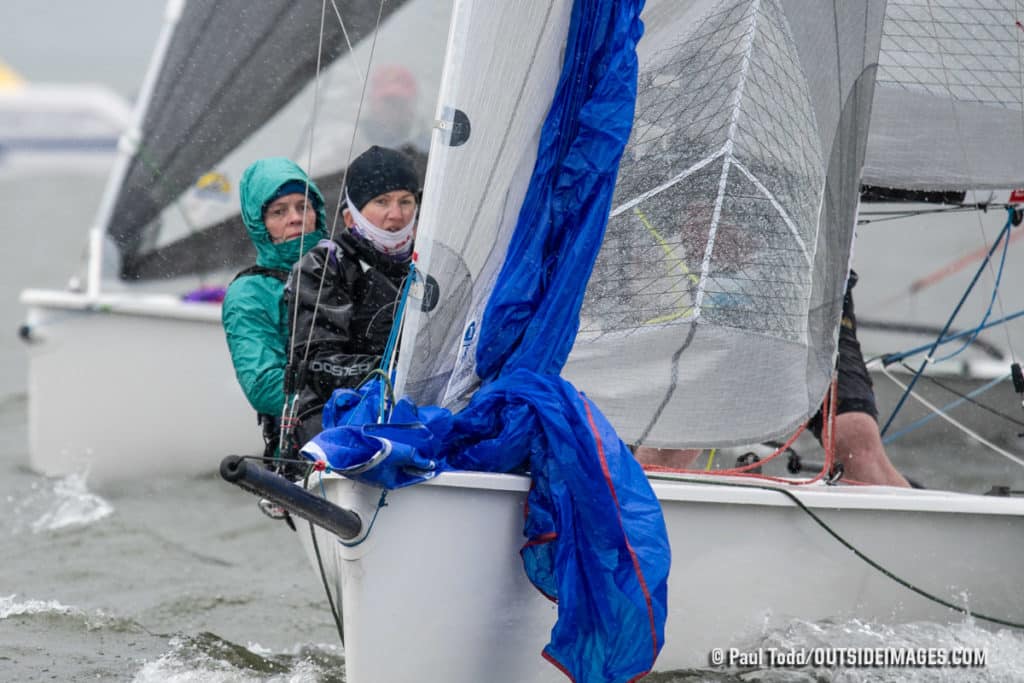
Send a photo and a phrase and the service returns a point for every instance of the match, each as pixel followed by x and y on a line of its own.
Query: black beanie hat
pixel 377 171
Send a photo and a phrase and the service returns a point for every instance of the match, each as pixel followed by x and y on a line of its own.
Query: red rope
pixel 828 440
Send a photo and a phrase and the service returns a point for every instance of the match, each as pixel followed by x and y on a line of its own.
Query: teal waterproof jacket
pixel 254 315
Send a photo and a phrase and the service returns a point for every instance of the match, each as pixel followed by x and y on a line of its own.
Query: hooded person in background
pixel 283 212
pixel 393 119
pixel 344 292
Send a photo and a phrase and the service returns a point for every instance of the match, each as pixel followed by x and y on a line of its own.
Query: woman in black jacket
pixel 343 294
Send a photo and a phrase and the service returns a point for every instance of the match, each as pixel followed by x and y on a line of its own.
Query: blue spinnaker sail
pixel 596 537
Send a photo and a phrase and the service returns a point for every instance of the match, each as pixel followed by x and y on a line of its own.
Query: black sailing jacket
pixel 347 328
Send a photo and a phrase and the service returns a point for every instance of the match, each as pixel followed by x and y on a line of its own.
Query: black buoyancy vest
pixel 275 273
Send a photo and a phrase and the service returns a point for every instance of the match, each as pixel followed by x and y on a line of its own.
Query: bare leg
pixel 676 458
pixel 859 448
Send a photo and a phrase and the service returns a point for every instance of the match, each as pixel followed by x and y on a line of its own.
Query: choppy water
pixel 184 580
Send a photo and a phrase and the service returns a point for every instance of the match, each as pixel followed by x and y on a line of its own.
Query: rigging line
pixel 945 329
pixel 828 423
pixel 964 398
pixel 387 359
pixel 976 330
pixel 341 191
pixel 323 573
pixel 849 546
pixel 890 358
pixel 348 42
pixel 966 162
pixel 355 64
pixel 309 174
pixel 954 266
pixel 335 612
pixel 900 215
pixel 969 397
pixel 288 410
pixel 996 294
pixel 974 435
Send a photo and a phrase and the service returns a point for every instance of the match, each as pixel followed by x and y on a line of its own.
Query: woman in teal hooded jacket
pixel 273 197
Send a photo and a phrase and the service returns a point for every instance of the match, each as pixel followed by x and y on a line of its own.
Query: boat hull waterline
pixel 129 386
pixel 438 578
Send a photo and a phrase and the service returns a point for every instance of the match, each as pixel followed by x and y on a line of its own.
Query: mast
pixel 127 148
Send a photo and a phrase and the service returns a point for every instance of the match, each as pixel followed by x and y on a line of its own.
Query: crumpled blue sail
pixel 596 538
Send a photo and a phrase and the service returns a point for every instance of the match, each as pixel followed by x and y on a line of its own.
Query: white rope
pixel 291 403
pixel 348 42
pixel 938 411
pixel 344 178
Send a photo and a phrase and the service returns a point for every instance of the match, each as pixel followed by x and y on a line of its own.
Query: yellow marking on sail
pixel 711 458
pixel 667 248
pixel 9 78
pixel 212 181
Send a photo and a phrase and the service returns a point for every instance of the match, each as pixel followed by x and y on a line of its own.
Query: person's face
pixel 288 217
pixel 390 211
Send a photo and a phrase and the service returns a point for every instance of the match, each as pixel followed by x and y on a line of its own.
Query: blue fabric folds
pixel 531 317
pixel 596 539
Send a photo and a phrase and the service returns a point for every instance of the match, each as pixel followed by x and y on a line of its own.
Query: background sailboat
pixel 54 125
pixel 229 83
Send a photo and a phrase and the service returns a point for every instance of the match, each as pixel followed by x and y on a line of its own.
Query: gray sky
pixel 104 41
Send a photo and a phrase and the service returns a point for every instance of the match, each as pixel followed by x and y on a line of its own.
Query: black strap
pixel 275 273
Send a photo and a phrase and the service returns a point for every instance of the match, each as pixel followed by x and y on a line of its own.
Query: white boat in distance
pixel 751 125
pixel 46 124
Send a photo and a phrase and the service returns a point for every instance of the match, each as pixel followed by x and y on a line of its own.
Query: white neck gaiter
pixel 397 245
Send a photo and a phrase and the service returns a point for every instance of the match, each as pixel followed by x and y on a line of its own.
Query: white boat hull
pixel 437 590
pixel 128 386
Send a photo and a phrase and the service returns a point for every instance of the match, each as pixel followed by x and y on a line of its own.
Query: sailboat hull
pixel 124 387
pixel 437 588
